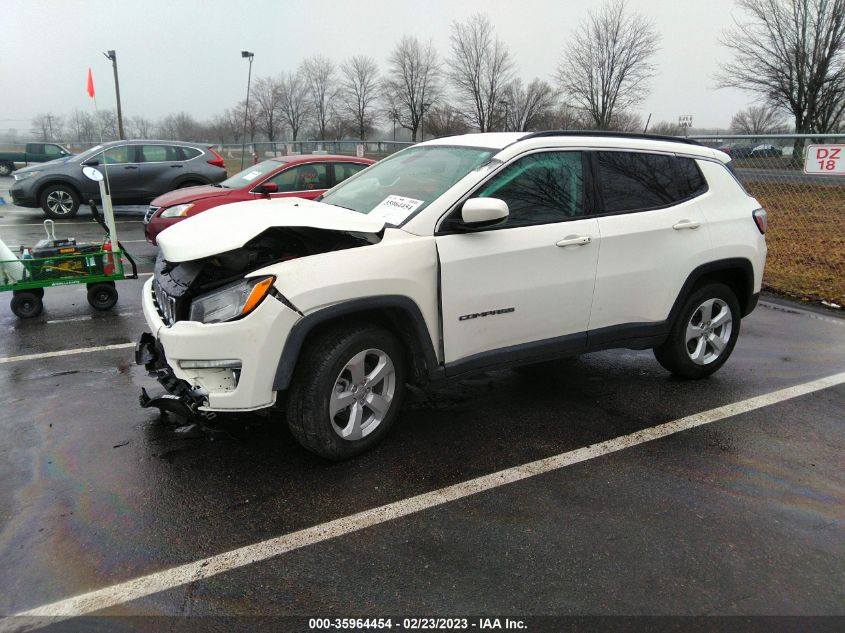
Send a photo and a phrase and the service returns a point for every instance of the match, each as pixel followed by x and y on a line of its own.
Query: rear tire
pixel 6 168
pixel 59 202
pixel 102 296
pixel 27 304
pixel 190 183
pixel 704 333
pixel 347 391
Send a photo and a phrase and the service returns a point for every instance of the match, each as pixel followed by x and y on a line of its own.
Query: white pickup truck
pixel 453 256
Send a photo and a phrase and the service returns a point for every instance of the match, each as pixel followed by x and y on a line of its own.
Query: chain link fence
pixel 806 235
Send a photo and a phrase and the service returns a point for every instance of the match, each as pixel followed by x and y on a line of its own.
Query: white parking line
pixel 65 352
pixel 243 557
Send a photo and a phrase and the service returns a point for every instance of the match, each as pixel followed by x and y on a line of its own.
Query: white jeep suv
pixel 455 255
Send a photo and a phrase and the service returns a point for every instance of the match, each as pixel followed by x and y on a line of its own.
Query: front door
pixel 516 290
pixel 122 172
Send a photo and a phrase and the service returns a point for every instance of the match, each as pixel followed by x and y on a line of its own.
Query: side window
pixel 35 148
pixel 53 151
pixel 540 188
pixel 121 154
pixel 302 178
pixel 187 152
pixel 632 181
pixel 159 153
pixel 690 181
pixel 342 171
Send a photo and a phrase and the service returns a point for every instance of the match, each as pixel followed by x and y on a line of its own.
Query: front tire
pixel 704 333
pixel 59 202
pixel 347 391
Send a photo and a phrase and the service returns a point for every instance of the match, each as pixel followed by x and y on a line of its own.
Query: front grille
pixel 164 303
pixel 150 213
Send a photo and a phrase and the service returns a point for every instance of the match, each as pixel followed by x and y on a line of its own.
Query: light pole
pixel 246 55
pixel 505 105
pixel 425 107
pixel 112 55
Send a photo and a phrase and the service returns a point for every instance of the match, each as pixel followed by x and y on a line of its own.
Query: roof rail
pixel 639 135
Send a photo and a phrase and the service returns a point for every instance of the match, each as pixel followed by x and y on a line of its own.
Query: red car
pixel 306 176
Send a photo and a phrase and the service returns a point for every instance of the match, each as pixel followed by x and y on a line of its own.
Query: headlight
pixel 231 301
pixel 25 175
pixel 179 211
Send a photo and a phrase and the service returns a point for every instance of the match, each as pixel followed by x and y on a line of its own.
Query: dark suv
pixel 137 172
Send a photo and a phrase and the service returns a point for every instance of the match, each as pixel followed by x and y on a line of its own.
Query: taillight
pixel 218 161
pixel 761 219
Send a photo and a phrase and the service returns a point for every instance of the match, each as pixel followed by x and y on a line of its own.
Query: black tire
pixel 190 183
pixel 102 296
pixel 59 202
pixel 675 353
pixel 6 168
pixel 322 366
pixel 27 304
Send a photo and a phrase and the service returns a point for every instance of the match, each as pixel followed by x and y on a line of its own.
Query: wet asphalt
pixel 745 516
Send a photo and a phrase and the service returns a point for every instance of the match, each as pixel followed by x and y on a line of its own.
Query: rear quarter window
pixel 189 152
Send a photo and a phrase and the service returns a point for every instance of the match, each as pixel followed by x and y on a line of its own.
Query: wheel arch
pixel 737 273
pixel 59 181
pixel 397 313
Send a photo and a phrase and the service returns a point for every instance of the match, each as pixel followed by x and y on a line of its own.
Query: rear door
pixel 342 171
pixel 525 286
pixel 162 167
pixel 653 234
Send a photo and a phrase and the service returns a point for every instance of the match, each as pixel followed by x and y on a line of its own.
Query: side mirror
pixel 478 213
pixel 91 162
pixel 267 188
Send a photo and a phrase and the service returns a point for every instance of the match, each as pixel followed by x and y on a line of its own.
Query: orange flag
pixel 90 84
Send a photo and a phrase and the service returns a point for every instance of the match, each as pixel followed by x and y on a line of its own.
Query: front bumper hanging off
pixel 179 397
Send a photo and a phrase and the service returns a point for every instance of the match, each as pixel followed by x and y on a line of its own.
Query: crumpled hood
pixel 231 226
pixel 189 194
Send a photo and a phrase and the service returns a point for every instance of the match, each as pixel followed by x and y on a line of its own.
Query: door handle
pixel 574 240
pixel 686 224
pixel 131 167
pixel 176 166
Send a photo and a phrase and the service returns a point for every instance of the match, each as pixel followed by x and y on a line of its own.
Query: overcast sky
pixel 185 54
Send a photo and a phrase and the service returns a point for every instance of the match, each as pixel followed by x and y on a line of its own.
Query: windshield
pixel 251 174
pixel 89 152
pixel 408 181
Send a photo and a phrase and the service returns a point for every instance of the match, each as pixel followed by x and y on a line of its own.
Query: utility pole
pixel 112 55
pixel 246 55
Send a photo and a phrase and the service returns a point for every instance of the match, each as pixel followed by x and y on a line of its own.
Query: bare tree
pixel 140 127
pixel 792 53
pixel 626 121
pixel 252 119
pixel 480 68
pixel 443 119
pixel 48 127
pixel 319 75
pixel 413 84
pixel 666 128
pixel 296 110
pixel 528 106
pixel 359 91
pixel 562 117
pixel 80 126
pixel 106 122
pixel 758 119
pixel 268 97
pixel 607 62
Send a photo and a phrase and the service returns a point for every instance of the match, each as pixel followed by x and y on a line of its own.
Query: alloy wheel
pixel 709 331
pixel 60 202
pixel 362 394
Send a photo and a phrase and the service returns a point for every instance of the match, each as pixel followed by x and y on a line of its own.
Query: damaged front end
pixel 195 292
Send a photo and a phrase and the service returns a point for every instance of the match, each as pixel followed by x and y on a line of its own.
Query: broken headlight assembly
pixel 232 301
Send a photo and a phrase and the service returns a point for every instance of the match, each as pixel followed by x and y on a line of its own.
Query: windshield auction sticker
pixel 252 175
pixel 395 209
